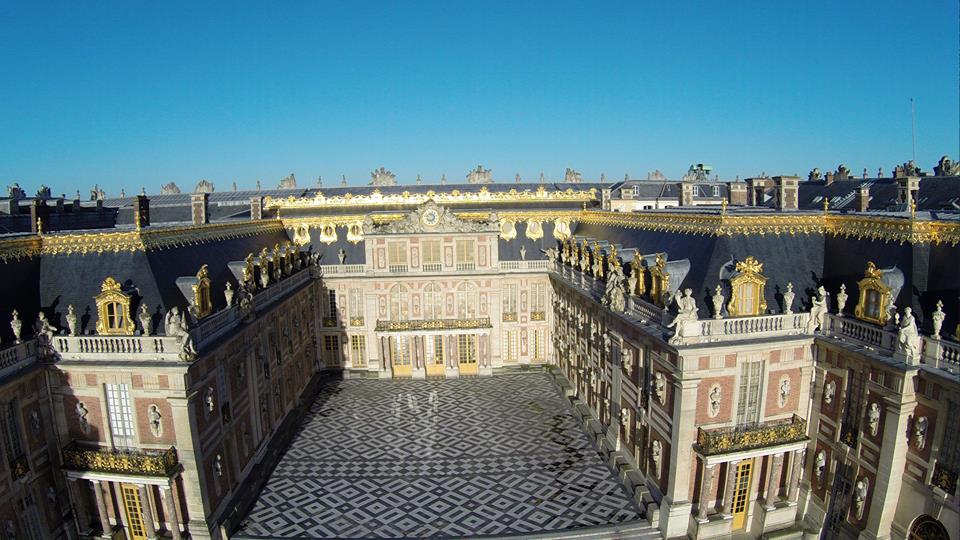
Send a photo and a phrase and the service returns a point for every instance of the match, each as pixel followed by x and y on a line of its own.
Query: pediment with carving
pixel 432 218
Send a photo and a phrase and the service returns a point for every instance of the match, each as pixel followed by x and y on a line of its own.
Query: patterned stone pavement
pixel 466 457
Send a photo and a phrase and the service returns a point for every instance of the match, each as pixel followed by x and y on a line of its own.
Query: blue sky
pixel 131 94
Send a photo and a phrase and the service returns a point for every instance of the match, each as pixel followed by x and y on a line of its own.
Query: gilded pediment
pixel 432 218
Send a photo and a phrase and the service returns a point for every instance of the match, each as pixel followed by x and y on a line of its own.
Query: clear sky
pixel 130 94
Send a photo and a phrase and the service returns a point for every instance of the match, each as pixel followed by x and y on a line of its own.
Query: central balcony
pixel 434 324
pixel 140 461
pixel 738 438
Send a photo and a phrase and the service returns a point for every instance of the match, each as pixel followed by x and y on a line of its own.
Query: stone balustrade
pixel 342 269
pixel 761 326
pixel 17 357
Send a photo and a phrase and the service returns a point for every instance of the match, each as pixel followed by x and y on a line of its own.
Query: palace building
pixel 776 357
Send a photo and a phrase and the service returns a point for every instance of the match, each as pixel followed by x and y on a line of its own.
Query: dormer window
pixel 113 310
pixel 748 285
pixel 874 296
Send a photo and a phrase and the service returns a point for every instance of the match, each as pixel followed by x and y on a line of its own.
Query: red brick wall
pixel 167 435
pixel 773 407
pixel 98 428
pixel 727 398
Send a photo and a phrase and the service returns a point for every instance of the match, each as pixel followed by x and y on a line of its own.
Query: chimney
pixel 787 192
pixel 686 193
pixel 863 199
pixel 755 190
pixel 256 208
pixel 829 178
pixel 907 188
pixel 737 193
pixel 38 210
pixel 198 208
pixel 141 211
pixel 605 198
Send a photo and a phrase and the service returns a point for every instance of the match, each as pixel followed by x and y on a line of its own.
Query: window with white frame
pixel 748 393
pixel 509 301
pixel 397 256
pixel 432 302
pixel 355 305
pixel 399 302
pixel 466 301
pixel 120 415
pixel 431 256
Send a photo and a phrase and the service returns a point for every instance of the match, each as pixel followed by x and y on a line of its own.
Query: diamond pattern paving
pixel 465 457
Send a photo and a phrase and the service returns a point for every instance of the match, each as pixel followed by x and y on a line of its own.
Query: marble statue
pixel 660 387
pixel 820 465
pixel 873 418
pixel 908 338
pixel 788 299
pixel 71 320
pixel 860 496
pixel 209 400
pixel 818 311
pixel 289 182
pixel 656 454
pixel 36 422
pixel 571 176
pixel 479 176
pixel 169 188
pixel 814 175
pixel 614 295
pixel 841 299
pixel 784 393
pixel 82 412
pixel 16 325
pixel 145 319
pixel 829 390
pixel 523 253
pixel 946 167
pixel 686 311
pixel 937 318
pixel 228 294
pixel 717 299
pixel 175 325
pixel 43 329
pixel 714 401
pixel 920 432
pixel 382 177
pixel 552 257
pixel 341 256
pixel 155 419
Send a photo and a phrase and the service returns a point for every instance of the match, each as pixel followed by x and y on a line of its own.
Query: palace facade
pixel 773 357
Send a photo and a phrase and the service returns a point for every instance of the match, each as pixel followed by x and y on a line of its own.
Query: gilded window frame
pixel 111 292
pixel 873 281
pixel 749 273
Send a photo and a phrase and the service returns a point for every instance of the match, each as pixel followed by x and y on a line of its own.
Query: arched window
pixel 399 303
pixel 748 298
pixel 926 527
pixel 432 302
pixel 113 310
pixel 466 301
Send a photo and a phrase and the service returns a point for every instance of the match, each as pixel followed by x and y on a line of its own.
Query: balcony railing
pixel 143 462
pixel 733 439
pixel 337 269
pixel 433 324
pixel 74 347
pixel 17 356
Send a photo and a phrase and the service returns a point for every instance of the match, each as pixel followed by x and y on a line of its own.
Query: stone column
pixel 772 492
pixel 676 505
pixel 101 507
pixel 147 512
pixel 728 488
pixel 793 487
pixel 76 495
pixel 706 486
pixel 173 524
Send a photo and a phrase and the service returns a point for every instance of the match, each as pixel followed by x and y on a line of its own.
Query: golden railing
pixel 724 440
pixel 433 324
pixel 140 461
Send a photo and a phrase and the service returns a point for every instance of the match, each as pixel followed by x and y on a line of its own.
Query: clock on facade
pixel 430 217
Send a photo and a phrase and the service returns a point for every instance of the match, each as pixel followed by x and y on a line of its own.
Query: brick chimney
pixel 863 199
pixel 141 211
pixel 737 194
pixel 199 208
pixel 907 188
pixel 755 190
pixel 686 193
pixel 829 177
pixel 256 208
pixel 787 192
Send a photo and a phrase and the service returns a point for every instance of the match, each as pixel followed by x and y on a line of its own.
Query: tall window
pixel 121 417
pixel 466 255
pixel 509 302
pixel 331 350
pixel 466 301
pixel 397 256
pixel 432 302
pixel 510 346
pixel 355 304
pixel 747 298
pixel 850 423
pixel 538 308
pixel 399 303
pixel 399 351
pixel 332 300
pixel 433 347
pixel 748 393
pixel 431 256
pixel 358 351
pixel 467 348
pixel 12 443
pixel 539 344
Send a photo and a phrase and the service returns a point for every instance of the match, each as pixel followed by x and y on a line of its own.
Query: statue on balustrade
pixel 908 338
pixel 818 311
pixel 686 311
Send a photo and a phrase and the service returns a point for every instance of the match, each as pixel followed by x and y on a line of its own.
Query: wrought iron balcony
pixel 433 324
pixel 733 439
pixel 139 461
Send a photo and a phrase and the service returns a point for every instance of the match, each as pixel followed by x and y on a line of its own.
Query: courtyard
pixel 489 456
